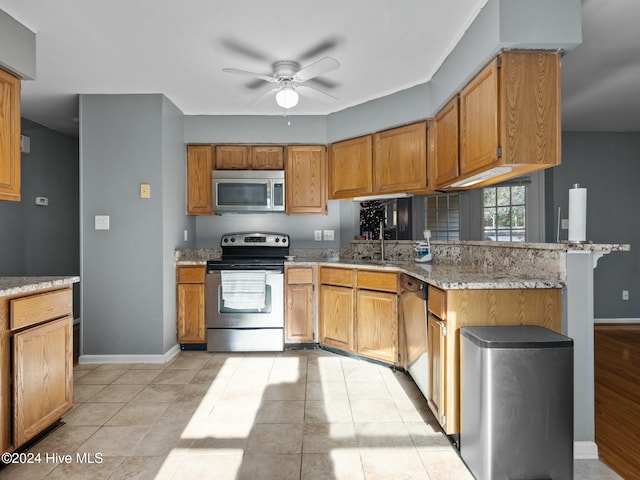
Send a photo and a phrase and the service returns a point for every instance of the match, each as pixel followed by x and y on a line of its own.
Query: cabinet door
pixel 377 325
pixel 400 159
pixel 350 168
pixel 191 327
pixel 299 302
pixel 479 139
pixel 43 377
pixel 306 179
pixel 199 166
pixel 267 157
pixel 233 157
pixel 436 340
pixel 336 321
pixel 299 314
pixel 443 135
pixel 530 104
pixel 9 137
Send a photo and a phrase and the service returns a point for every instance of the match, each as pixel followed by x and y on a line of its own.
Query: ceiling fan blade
pixel 267 93
pixel 314 93
pixel 321 47
pixel 323 65
pixel 237 71
pixel 239 47
pixel 321 83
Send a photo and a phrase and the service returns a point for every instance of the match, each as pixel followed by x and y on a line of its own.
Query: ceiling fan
pixel 289 79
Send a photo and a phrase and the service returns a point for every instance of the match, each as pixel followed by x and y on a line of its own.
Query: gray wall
pixel 127 140
pixel 17 47
pixel 128 279
pixel 608 165
pixel 38 240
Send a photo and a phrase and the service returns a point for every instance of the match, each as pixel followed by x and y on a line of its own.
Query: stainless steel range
pixel 245 293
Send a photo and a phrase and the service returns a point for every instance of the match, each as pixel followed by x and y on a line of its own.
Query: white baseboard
pixel 616 320
pixel 164 358
pixel 585 451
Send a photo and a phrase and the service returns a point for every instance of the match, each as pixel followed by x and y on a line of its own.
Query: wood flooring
pixel 617 397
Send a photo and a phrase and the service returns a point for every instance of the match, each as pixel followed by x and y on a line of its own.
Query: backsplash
pixel 521 258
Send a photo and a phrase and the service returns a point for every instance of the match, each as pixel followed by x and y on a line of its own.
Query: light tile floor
pixel 306 414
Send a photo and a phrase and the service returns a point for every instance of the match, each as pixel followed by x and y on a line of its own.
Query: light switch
pixel 102 222
pixel 145 190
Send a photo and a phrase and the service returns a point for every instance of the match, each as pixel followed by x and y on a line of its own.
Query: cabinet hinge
pixel 499 61
pixel 499 152
pixel 444 331
pixel 444 420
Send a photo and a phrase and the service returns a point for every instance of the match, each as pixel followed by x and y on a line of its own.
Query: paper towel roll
pixel 577 214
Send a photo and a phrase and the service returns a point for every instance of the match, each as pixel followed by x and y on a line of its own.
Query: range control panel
pixel 255 239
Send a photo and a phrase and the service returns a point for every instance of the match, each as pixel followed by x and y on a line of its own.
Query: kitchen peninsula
pixel 36 363
pixel 485 282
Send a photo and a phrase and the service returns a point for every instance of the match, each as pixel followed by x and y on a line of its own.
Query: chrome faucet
pixel 382 241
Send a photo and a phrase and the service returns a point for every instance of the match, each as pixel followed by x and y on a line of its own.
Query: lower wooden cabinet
pixel 359 312
pixel 449 310
pixel 336 325
pixel 36 363
pixel 436 336
pixel 377 325
pixel 300 304
pixel 42 377
pixel 190 304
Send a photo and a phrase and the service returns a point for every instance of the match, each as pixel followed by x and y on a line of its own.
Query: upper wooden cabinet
pixel 392 161
pixel 199 166
pixel 443 145
pixel 350 168
pixel 400 159
pixel 306 179
pixel 9 137
pixel 267 157
pixel 509 117
pixel 249 157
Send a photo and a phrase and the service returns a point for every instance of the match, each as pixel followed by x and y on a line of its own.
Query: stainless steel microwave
pixel 248 190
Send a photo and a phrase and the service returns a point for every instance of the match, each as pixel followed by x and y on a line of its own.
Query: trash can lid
pixel 515 336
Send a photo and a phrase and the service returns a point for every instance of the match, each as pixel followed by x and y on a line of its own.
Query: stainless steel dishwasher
pixel 413 308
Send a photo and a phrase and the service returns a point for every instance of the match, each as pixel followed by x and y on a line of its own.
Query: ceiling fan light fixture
pixel 287 97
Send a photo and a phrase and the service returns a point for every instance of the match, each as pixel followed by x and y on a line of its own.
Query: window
pixel 443 216
pixel 504 209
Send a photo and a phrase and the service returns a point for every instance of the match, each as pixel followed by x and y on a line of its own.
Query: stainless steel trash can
pixel 516 403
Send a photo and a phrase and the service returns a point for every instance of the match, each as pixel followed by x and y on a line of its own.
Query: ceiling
pixel 150 46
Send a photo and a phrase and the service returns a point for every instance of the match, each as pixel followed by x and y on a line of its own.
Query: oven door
pixel 217 315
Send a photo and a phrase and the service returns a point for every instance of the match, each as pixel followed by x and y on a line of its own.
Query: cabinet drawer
pixel 437 302
pixel 299 275
pixel 381 281
pixel 336 276
pixel 39 308
pixel 192 274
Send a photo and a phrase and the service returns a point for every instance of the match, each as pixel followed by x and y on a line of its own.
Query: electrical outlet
pixel 328 235
pixel 564 224
pixel 102 222
pixel 625 294
pixel 317 235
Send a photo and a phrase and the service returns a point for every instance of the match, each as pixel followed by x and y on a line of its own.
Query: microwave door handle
pixel 269 193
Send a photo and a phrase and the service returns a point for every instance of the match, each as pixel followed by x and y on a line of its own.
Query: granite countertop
pixel 452 277
pixel 460 265
pixel 17 285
